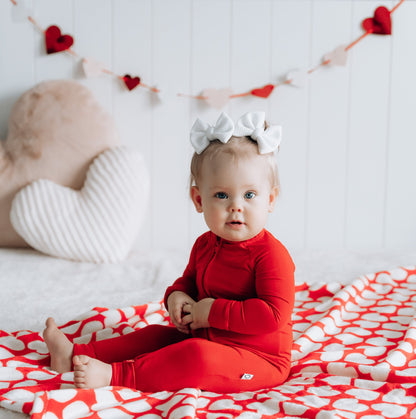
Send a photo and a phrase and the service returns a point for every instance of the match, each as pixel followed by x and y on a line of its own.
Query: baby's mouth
pixel 235 223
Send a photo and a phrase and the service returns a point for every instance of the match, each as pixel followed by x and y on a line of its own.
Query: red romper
pixel 249 342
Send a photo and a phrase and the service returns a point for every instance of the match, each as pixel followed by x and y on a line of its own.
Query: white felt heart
pixel 92 68
pixel 97 224
pixel 217 98
pixel 338 56
pixel 20 12
pixel 297 78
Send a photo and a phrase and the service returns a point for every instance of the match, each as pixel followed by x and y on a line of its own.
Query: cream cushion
pixel 98 223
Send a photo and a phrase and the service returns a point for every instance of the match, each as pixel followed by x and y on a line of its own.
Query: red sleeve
pixel 273 305
pixel 187 282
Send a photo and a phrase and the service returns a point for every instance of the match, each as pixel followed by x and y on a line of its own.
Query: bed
pixel 353 354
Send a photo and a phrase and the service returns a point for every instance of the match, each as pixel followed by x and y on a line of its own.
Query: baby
pixel 232 307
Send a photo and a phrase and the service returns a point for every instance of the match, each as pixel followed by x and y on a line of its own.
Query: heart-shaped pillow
pixel 56 129
pixel 98 223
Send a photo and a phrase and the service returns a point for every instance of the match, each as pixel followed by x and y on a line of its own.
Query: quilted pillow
pixel 98 223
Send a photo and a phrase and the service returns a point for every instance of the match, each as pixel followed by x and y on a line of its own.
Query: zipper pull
pixel 217 244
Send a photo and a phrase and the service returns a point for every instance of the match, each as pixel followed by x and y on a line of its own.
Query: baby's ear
pixel 196 198
pixel 273 197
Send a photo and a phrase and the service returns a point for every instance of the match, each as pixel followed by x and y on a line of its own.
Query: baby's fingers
pixel 183 329
pixel 181 325
pixel 174 318
pixel 187 319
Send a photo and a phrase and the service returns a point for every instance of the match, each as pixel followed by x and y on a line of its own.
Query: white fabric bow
pixel 251 125
pixel 202 133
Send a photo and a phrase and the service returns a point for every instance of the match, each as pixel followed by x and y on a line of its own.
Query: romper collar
pixel 243 243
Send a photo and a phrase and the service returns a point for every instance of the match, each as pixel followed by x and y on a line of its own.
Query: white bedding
pixel 35 286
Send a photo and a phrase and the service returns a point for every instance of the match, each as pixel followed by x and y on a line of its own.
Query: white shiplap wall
pixel 347 162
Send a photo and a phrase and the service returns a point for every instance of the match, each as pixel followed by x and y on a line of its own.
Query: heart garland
pixel 297 78
pixel 92 68
pixel 338 56
pixel 217 98
pixel 55 41
pixel 264 91
pixel 380 23
pixel 131 82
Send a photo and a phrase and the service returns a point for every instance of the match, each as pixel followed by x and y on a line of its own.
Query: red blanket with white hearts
pixel 354 353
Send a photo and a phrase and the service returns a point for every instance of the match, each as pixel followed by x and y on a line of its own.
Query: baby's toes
pixel 79 375
pixel 79 378
pixel 80 360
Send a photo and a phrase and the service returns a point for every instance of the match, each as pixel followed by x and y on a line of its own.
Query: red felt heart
pixel 55 42
pixel 379 24
pixel 131 82
pixel 264 91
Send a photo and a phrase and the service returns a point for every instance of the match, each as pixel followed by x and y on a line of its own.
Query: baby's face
pixel 235 196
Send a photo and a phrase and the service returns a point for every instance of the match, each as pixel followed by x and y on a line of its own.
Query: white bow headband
pixel 250 125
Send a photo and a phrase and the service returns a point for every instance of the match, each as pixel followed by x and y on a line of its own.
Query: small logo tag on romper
pixel 246 376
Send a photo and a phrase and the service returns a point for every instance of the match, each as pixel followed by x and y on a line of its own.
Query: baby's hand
pixel 196 314
pixel 176 301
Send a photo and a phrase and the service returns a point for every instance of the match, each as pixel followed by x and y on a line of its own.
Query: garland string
pixel 264 91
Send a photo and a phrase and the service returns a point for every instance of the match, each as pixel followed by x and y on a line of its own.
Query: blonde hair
pixel 237 148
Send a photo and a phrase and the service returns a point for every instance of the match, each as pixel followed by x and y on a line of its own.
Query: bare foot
pixel 91 373
pixel 59 347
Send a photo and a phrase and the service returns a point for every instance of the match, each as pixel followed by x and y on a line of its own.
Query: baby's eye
pixel 221 195
pixel 249 195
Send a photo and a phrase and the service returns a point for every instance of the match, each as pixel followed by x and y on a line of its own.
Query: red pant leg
pixel 131 345
pixel 198 363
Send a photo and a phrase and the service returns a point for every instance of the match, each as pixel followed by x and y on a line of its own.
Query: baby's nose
pixel 236 206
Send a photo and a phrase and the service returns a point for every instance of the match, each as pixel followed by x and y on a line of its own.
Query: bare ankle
pixel 60 347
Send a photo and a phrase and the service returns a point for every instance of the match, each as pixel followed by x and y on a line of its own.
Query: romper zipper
pixel 214 253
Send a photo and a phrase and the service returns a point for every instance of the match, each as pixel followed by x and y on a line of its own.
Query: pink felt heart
pixel 217 98
pixel 297 78
pixel 91 67
pixel 55 41
pixel 131 82
pixel 338 56
pixel 380 23
pixel 264 92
